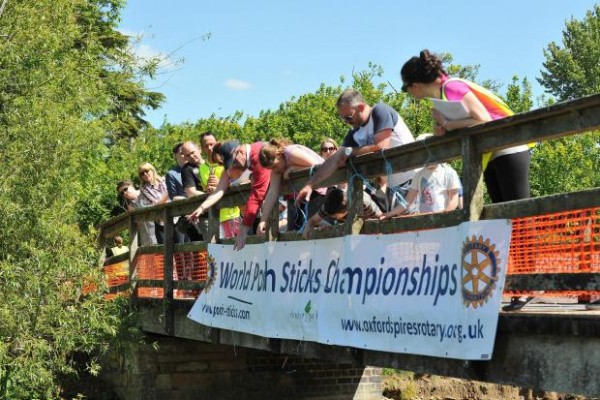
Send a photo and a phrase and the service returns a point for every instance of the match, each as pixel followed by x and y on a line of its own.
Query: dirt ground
pixel 401 385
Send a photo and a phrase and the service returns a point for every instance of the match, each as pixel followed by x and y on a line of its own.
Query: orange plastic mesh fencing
pixel 115 275
pixel 150 266
pixel 187 266
pixel 562 242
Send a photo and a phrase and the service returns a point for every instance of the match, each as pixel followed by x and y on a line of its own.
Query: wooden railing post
pixel 102 245
pixel 133 246
pixel 354 220
pixel 472 179
pixel 168 248
pixel 213 225
pixel 272 231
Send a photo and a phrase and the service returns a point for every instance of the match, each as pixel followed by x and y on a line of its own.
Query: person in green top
pixel 118 248
pixel 209 174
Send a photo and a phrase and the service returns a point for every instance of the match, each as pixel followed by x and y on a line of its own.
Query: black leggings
pixel 507 177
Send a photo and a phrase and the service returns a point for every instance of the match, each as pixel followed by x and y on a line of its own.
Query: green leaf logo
pixel 307 307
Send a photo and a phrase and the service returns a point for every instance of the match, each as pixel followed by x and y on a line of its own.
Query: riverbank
pixel 404 385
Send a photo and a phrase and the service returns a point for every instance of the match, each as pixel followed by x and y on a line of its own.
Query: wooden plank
pixel 414 222
pixel 154 249
pixel 152 283
pixel 213 225
pixel 560 120
pixel 116 228
pixel 116 259
pixel 185 285
pixel 190 247
pixel 114 225
pixel 472 180
pixel 553 282
pixel 133 245
pixel 189 285
pixel 120 288
pixel 543 205
pixel 169 230
pixel 354 200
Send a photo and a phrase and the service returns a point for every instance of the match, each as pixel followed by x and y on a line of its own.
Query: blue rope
pixel 394 189
pixel 303 212
pixel 388 168
pixel 355 174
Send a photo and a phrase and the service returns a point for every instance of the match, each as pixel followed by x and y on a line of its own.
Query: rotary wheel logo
pixel 479 270
pixel 211 273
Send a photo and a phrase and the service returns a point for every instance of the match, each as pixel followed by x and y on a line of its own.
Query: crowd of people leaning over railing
pixel 215 165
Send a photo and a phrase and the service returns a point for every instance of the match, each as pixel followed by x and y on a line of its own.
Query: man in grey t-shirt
pixel 373 129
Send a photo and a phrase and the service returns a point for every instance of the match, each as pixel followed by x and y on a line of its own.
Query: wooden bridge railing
pixel 559 120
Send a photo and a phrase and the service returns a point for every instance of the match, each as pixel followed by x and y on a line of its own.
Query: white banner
pixel 434 292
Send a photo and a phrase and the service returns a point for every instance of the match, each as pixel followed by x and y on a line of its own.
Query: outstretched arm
pixel 270 200
pixel 325 171
pixel 212 198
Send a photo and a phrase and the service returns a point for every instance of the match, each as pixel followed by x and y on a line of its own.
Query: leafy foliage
pixel 72 103
pixel 55 102
pixel 573 70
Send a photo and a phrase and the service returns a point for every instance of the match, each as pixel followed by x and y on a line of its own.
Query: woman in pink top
pixel 507 173
pixel 283 157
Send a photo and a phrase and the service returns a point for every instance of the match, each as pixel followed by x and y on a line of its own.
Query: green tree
pixel 53 100
pixel 519 96
pixel 566 164
pixel 573 70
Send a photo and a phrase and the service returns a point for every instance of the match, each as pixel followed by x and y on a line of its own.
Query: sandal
pixel 516 303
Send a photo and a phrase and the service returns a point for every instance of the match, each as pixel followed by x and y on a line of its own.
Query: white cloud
pixel 132 34
pixel 236 84
pixel 144 52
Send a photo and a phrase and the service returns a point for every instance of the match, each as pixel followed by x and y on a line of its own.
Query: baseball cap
pixel 225 151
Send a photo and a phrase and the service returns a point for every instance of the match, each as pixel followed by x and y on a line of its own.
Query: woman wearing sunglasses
pixel 154 191
pixel 328 147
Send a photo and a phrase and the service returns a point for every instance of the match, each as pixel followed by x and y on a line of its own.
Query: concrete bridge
pixel 553 346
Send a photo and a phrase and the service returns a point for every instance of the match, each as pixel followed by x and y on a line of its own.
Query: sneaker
pixel 516 303
pixel 593 306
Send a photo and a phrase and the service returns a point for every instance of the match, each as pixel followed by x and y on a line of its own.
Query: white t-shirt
pixel 433 186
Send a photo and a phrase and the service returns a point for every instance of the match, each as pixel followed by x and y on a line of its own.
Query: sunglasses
pixel 144 171
pixel 122 191
pixel 405 86
pixel 351 117
pixel 327 149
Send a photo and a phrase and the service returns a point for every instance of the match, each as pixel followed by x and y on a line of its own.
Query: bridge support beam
pixel 187 369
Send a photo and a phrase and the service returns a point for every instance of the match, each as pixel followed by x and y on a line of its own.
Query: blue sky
pixel 261 53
